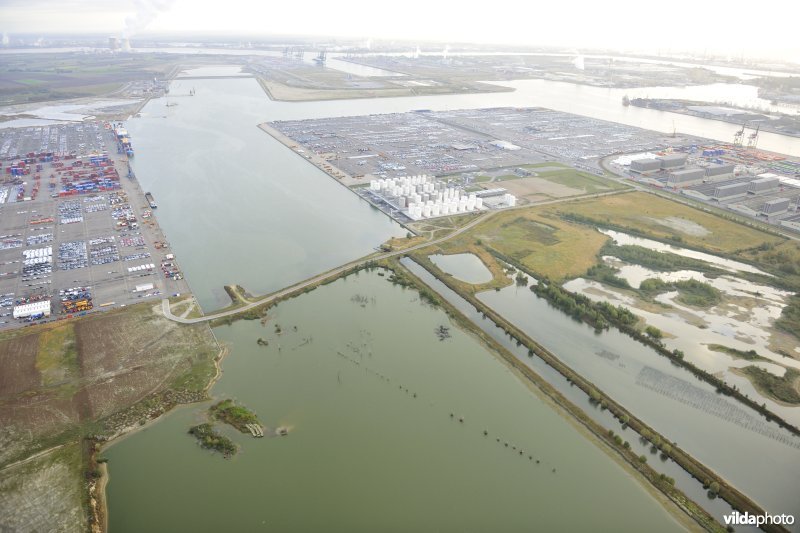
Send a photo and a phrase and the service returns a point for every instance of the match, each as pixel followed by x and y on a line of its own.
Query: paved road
pixel 332 273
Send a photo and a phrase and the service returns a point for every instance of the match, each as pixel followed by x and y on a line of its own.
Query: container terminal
pixel 77 234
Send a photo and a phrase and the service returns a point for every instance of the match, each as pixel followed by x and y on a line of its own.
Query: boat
pixel 150 200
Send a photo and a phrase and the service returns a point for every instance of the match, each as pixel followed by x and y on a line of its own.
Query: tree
pixel 653 332
pixel 713 488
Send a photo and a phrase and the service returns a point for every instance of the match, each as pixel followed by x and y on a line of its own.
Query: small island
pixel 237 416
pixel 211 440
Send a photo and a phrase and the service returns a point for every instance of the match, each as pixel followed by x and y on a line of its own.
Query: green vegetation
pixel 648 215
pixel 608 275
pixel 211 440
pixel 42 77
pixel 691 292
pixel 536 238
pixel 57 360
pixel 698 470
pixel 597 314
pixel 660 261
pixel 235 415
pixel 569 177
pixel 749 355
pixel 789 320
pixel 653 332
pixel 785 389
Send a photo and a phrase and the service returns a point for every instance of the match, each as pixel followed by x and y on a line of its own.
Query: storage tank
pixel 436 209
pixel 426 211
pixel 478 203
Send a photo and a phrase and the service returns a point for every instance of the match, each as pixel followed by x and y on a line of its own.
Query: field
pixel 545 242
pixel 64 379
pixel 42 77
pixel 538 239
pixel 96 376
pixel 44 494
pixel 643 213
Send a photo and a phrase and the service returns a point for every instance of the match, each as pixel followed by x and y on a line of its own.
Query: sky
pixel 709 26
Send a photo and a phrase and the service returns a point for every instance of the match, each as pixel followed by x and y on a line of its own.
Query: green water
pixel 466 267
pixel 363 453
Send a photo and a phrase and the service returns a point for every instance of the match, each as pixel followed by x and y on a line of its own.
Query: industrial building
pixel 731 191
pixel 683 178
pixel 645 165
pixel 32 310
pixel 672 161
pixel 719 172
pixel 776 206
pixel 764 184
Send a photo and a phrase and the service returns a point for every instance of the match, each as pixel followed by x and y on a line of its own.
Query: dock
pixel 255 430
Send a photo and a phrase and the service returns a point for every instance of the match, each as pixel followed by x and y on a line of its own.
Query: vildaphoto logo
pixel 746 519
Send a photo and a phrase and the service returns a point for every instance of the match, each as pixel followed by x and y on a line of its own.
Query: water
pixel 236 205
pixel 231 213
pixel 690 486
pixel 240 208
pixel 466 267
pixel 704 427
pixel 364 454
pixel 623 239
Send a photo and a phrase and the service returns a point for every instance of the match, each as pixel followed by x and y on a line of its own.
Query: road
pixel 333 273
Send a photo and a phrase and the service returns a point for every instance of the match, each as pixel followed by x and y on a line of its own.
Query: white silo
pixel 478 203
pixel 436 209
pixel 426 211
pixel 445 210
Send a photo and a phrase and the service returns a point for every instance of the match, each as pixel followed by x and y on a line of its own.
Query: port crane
pixel 752 140
pixel 738 138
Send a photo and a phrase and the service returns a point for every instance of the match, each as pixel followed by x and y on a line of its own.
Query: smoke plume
pixel 146 12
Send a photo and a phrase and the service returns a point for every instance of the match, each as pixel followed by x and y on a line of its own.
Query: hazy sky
pixel 712 26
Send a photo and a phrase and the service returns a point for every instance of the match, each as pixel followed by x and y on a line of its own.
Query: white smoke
pixel 445 51
pixel 146 12
pixel 6 40
pixel 579 63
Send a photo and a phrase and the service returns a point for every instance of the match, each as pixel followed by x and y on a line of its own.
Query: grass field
pixel 538 239
pixel 542 240
pixel 648 214
pixel 576 179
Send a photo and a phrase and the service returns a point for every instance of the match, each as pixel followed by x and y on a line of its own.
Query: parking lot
pixel 446 143
pixel 88 240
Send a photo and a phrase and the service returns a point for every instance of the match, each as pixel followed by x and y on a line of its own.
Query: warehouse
pixel 730 191
pixel 776 206
pixel 683 178
pixel 764 184
pixel 719 172
pixel 645 165
pixel 673 161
